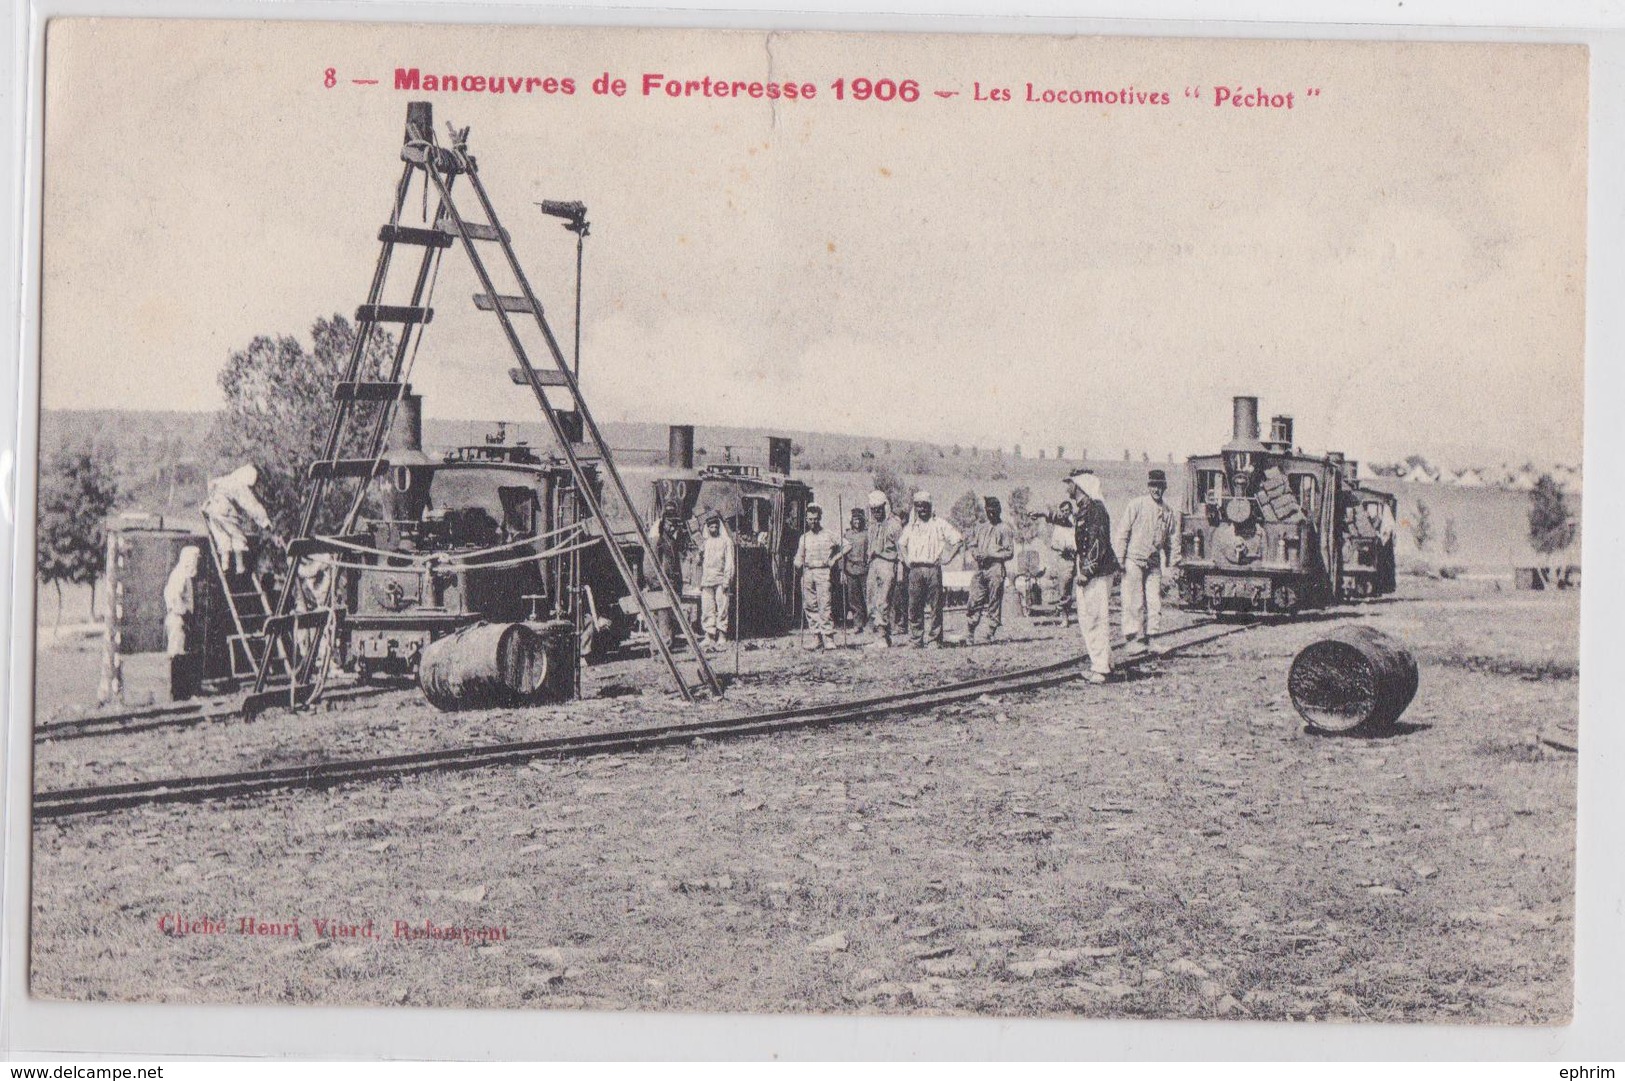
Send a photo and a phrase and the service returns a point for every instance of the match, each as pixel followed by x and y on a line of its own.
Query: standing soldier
pixel 230 506
pixel 716 580
pixel 816 556
pixel 1143 539
pixel 180 635
pixel 884 527
pixel 899 593
pixel 855 572
pixel 992 545
pixel 1063 558
pixel 1096 563
pixel 926 545
pixel 672 543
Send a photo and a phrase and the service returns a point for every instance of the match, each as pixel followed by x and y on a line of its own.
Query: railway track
pixel 179 715
pixel 104 798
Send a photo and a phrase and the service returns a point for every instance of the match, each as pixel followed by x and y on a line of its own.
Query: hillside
pixel 163 462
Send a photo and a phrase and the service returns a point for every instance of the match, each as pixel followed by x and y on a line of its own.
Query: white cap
pixel 878 499
pixel 922 497
pixel 1088 482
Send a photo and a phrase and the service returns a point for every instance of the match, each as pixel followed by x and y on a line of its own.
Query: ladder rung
pixel 366 468
pixel 405 234
pixel 367 392
pixel 277 696
pixel 393 313
pixel 655 602
pixel 484 303
pixel 475 230
pixel 444 160
pixel 315 617
pixel 547 377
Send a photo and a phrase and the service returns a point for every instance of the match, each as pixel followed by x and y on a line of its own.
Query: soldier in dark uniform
pixel 672 543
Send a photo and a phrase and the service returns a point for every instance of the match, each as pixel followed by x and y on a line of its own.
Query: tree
pixel 279 403
pixel 1551 526
pixel 1020 503
pixel 1016 450
pixel 1422 526
pixel 966 511
pixel 897 490
pixel 77 491
pixel 1060 453
pixel 1449 542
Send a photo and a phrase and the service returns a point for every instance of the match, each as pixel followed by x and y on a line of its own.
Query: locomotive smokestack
pixel 1244 419
pixel 1280 440
pixel 778 455
pixel 680 446
pixel 405 441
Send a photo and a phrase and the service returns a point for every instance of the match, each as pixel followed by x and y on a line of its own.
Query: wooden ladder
pixel 301 640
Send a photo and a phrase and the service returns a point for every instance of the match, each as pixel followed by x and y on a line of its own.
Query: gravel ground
pixel 1174 846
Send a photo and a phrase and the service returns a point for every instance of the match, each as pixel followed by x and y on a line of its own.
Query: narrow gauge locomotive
pixel 1268 529
pixel 764 511
pixel 491 533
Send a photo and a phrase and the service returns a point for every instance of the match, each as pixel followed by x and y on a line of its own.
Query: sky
pixel 1397 260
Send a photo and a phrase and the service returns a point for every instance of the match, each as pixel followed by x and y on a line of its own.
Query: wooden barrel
pixel 485 666
pixel 1354 677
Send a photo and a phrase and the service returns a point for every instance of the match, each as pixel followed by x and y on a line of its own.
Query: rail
pixel 103 798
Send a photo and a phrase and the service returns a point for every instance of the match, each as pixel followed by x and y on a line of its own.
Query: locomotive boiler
pixel 1268 529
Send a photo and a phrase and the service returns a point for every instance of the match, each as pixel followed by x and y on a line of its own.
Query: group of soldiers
pixel 891 571
pixel 884 560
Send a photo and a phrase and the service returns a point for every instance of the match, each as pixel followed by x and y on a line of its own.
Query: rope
pixel 433 562
pixel 424 557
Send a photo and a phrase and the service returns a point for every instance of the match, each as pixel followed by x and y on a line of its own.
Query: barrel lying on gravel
pixel 493 665
pixel 1355 677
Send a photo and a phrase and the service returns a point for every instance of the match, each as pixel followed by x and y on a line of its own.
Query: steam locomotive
pixel 494 533
pixel 508 540
pixel 1267 529
pixel 764 511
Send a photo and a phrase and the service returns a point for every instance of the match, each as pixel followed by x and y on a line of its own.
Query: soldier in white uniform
pixel 231 505
pixel 925 546
pixel 816 555
pixel 1144 538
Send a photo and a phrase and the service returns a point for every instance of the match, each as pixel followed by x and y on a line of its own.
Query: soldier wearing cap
pixel 855 572
pixel 1096 565
pixel 992 545
pixel 816 555
pixel 926 544
pixel 884 528
pixel 672 543
pixel 716 580
pixel 1144 538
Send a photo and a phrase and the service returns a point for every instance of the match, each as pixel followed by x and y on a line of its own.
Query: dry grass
pixel 1176 846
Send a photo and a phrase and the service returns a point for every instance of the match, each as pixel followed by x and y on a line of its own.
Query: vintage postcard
pixel 700 521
